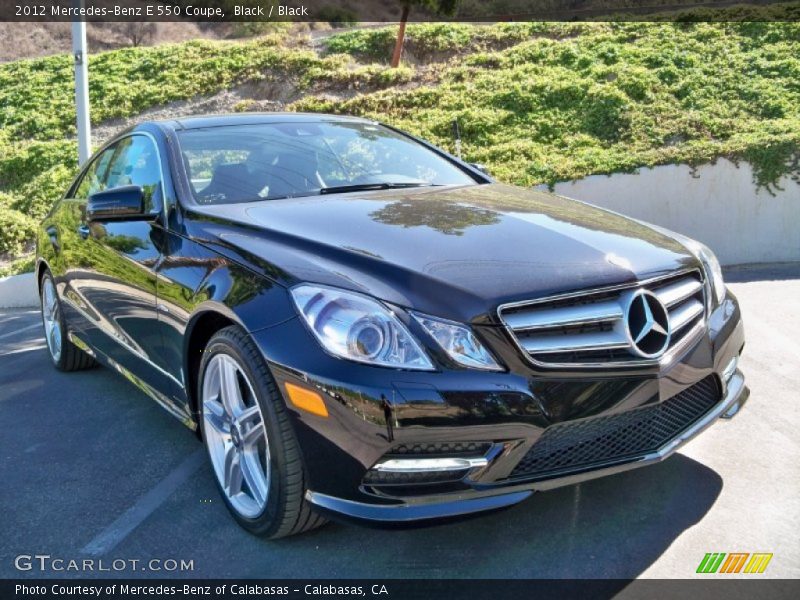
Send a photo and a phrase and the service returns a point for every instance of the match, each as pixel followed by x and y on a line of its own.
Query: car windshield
pixel 245 163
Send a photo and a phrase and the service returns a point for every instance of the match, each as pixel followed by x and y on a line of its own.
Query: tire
pixel 65 355
pixel 267 496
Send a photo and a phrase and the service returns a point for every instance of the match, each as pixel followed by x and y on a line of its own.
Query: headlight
pixel 459 342
pixel 359 328
pixel 712 268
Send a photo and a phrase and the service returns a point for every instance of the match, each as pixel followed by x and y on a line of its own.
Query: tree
pixel 138 33
pixel 439 7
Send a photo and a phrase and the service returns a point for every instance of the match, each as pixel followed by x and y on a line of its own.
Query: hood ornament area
pixel 646 324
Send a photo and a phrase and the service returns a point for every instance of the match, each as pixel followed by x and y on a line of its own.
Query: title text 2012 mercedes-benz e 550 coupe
pixel 363 326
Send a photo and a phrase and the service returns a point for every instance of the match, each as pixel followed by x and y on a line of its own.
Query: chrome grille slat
pixel 677 292
pixel 585 341
pixel 684 314
pixel 570 315
pixel 588 329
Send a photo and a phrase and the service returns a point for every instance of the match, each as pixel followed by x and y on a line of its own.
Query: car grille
pixel 588 329
pixel 440 449
pixel 581 445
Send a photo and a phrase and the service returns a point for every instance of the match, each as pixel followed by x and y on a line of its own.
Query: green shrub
pixel 38 197
pixel 372 44
pixel 426 39
pixel 567 100
pixel 605 112
pixel 25 264
pixel 125 82
pixel 16 231
pixel 21 162
pixel 536 102
pixel 275 30
pixel 6 200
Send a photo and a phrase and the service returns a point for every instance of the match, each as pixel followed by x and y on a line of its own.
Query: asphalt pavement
pixel 93 470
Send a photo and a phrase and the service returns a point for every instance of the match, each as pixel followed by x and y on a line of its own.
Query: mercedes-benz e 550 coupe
pixel 360 325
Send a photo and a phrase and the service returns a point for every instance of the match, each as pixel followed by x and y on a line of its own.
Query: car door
pixel 115 275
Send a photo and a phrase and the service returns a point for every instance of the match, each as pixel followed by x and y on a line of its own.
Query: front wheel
pixel 250 441
pixel 65 355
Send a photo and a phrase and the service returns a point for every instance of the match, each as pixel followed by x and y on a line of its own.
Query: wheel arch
pixel 206 321
pixel 41 267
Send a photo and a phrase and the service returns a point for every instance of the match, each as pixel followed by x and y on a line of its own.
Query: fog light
pixel 423 465
pixel 306 400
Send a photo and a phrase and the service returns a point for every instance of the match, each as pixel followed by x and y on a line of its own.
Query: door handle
pixel 84 231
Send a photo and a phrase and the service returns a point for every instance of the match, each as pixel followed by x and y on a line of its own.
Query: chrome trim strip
pixel 600 290
pixel 569 315
pixel 604 340
pixel 429 465
pixel 665 359
pixel 682 316
pixel 677 292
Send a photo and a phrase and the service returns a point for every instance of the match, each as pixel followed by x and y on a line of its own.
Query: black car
pixel 363 326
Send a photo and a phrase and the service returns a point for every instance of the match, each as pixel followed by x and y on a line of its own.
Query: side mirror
pixel 481 168
pixel 118 204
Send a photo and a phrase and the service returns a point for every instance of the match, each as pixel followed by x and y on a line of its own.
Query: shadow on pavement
pixel 607 528
pixel 614 527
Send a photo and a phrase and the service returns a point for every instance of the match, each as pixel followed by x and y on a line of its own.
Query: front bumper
pixel 435 507
pixel 373 410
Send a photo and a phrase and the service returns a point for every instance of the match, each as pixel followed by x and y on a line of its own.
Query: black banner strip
pixel 346 12
pixel 712 587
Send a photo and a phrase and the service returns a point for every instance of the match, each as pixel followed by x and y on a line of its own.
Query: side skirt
pixel 171 406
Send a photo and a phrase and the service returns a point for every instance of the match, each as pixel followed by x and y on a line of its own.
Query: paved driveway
pixel 93 469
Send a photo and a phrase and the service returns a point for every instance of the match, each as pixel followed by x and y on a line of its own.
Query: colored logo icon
pixel 734 562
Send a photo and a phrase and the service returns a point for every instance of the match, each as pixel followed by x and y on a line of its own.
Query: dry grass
pixel 31 40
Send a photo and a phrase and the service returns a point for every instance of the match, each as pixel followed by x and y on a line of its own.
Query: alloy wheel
pixel 51 315
pixel 235 435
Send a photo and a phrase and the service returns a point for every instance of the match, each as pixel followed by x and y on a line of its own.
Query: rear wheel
pixel 65 355
pixel 250 441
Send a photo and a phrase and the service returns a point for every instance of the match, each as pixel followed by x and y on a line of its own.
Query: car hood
pixel 456 252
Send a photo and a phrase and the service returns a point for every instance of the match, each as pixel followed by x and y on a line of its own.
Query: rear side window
pixel 131 161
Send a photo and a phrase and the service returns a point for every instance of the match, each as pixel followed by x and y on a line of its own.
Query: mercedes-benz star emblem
pixel 647 322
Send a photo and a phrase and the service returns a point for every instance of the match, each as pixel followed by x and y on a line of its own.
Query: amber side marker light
pixel 306 400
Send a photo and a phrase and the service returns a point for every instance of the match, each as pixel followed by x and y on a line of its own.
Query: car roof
pixel 203 121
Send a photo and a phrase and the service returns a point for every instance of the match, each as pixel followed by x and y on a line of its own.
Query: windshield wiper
pixel 363 187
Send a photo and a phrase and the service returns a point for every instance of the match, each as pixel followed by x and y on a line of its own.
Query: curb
pixel 19 291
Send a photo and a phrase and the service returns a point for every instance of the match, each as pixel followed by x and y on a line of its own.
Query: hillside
pixel 536 102
pixel 44 39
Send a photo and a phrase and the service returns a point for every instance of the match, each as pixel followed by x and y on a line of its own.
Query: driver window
pixel 131 161
pixel 94 179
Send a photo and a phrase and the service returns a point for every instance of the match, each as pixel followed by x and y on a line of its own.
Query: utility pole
pixel 81 87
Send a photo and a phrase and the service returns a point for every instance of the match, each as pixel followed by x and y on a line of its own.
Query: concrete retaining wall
pixel 716 204
pixel 18 291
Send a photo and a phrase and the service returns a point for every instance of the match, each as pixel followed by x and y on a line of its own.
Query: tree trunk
pixel 401 36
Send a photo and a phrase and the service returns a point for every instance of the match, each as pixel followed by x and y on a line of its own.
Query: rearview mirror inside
pixel 481 168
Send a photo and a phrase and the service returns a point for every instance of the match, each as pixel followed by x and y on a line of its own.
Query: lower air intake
pixel 581 445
